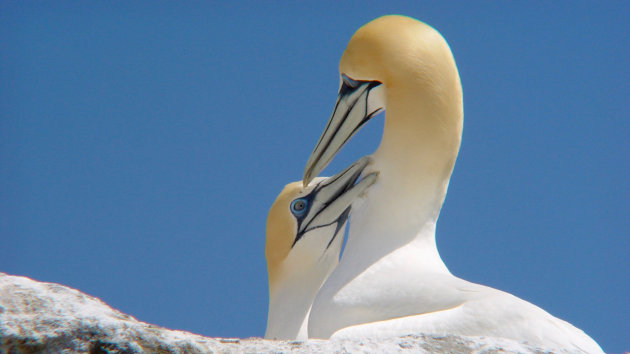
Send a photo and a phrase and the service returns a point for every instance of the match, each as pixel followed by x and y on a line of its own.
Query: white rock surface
pixel 40 317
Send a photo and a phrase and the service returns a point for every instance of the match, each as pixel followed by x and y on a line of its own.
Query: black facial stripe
pixel 335 178
pixel 332 199
pixel 311 197
pixel 299 235
pixel 348 83
pixel 340 220
pixel 331 180
pixel 347 87
pixel 366 116
pixel 356 129
pixel 339 98
pixel 343 120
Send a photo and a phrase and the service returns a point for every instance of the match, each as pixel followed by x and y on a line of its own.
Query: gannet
pixel 304 233
pixel 390 279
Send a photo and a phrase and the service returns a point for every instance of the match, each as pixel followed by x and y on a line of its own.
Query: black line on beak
pixel 347 88
pixel 312 197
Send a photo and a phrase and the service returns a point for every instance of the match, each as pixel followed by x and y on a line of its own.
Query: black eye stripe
pixel 307 202
pixel 323 194
pixel 347 85
pixel 310 198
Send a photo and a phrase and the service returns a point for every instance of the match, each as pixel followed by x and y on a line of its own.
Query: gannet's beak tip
pixel 306 179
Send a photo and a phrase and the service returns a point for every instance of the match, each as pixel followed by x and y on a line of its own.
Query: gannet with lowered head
pixel 305 228
pixel 391 279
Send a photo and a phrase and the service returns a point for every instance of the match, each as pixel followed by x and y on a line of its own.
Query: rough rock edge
pixel 40 317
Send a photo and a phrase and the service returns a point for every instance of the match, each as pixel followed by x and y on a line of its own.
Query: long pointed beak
pixel 357 102
pixel 333 197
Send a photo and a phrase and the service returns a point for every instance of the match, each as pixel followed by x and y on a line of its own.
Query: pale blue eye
pixel 298 206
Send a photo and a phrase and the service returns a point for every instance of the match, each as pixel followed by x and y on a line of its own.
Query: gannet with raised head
pixel 305 228
pixel 391 279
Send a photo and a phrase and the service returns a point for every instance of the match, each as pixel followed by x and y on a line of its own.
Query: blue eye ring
pixel 299 206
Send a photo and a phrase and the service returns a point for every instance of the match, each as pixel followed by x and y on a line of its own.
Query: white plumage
pixel 391 280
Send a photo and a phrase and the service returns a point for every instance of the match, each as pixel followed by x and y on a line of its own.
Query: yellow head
pixel 405 67
pixel 304 221
pixel 281 227
pixel 398 51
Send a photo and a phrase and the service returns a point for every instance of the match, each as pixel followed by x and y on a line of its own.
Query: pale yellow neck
pixel 422 134
pixel 415 159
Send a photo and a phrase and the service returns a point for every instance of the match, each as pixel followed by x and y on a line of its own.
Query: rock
pixel 51 318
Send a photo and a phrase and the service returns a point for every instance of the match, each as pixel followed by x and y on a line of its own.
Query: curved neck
pixel 291 294
pixel 415 158
pixel 289 307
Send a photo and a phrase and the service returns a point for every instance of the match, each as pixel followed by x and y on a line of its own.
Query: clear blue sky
pixel 142 143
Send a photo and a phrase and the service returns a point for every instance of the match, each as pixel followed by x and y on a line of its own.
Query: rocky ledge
pixel 37 317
